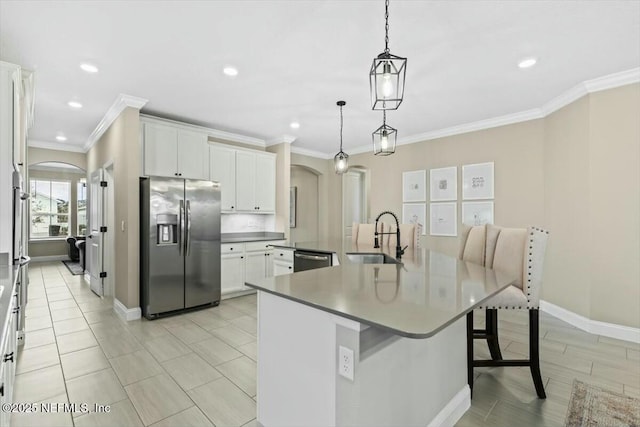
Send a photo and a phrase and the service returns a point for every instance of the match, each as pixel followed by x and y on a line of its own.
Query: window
pixel 50 204
pixel 82 207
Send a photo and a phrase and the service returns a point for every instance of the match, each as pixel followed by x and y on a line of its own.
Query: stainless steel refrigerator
pixel 180 245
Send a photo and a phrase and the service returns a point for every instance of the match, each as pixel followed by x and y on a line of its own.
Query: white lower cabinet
pixel 9 354
pixel 282 261
pixel 282 267
pixel 245 262
pixel 232 268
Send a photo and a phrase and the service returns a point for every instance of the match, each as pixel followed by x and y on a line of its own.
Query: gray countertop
pixel 250 237
pixel 415 299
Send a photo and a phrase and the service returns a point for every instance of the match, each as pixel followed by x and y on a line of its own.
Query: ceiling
pixel 297 58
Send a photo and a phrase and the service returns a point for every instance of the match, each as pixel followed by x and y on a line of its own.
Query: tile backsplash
pixel 239 223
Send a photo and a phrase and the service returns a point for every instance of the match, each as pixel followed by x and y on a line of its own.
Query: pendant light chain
pixel 384 117
pixel 341 128
pixel 386 26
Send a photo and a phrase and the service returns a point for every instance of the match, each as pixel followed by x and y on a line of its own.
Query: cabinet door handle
pixel 290 267
pixel 8 357
pixel 231 207
pixel 241 257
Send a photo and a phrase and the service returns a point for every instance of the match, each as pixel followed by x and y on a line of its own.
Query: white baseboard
pixel 49 258
pixel 125 313
pixel 87 277
pixel 234 294
pixel 454 410
pixel 610 330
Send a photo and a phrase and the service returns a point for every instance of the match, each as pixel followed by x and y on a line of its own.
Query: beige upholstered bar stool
pixel 518 251
pixel 363 234
pixel 407 235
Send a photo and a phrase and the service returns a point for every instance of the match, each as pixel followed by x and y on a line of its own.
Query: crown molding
pixel 589 86
pixel 279 140
pixel 310 153
pixel 216 135
pixel 122 101
pixel 58 146
pixel 613 80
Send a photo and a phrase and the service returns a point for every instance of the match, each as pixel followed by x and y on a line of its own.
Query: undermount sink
pixel 377 258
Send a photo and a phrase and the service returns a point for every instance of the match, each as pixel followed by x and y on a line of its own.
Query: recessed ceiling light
pixel 230 71
pixel 61 138
pixel 527 62
pixel 74 104
pixel 89 68
pixel 295 125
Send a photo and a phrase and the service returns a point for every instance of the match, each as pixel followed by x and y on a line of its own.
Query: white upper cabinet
pixel 223 170
pixel 255 182
pixel 171 151
pixel 193 155
pixel 266 184
pixel 160 147
pixel 246 182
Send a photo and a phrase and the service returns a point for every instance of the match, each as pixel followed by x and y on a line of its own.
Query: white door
pixel 232 272
pixel 94 245
pixel 193 155
pixel 353 201
pixel 160 150
pixel 255 266
pixel 265 183
pixel 246 182
pixel 223 170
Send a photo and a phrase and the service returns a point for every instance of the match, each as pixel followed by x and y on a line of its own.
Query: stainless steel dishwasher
pixel 306 260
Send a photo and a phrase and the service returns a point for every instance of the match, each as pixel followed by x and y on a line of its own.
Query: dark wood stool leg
pixel 534 353
pixel 492 333
pixel 470 350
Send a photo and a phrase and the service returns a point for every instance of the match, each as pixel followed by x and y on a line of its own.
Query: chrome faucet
pixel 399 249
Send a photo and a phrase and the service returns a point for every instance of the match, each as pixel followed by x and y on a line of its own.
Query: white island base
pixel 396 381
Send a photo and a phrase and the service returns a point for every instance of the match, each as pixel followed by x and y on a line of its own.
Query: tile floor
pixel 198 369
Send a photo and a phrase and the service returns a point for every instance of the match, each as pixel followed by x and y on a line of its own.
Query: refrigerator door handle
pixel 180 227
pixel 188 238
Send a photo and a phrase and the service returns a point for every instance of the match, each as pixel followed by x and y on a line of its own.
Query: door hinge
pixel 103 229
pixel 103 183
pixel 103 274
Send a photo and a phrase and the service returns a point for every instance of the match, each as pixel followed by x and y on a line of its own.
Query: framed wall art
pixel 443 219
pixel 443 184
pixel 477 181
pixel 414 186
pixel 477 213
pixel 415 213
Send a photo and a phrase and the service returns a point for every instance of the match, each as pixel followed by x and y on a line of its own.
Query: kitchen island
pixel 368 344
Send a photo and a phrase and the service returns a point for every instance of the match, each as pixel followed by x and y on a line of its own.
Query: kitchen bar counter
pixel 368 344
pixel 417 298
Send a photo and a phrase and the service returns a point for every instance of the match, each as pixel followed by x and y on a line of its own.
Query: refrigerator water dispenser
pixel 167 229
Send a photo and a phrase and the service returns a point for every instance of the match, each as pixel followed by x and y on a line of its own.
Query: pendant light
pixel 386 78
pixel 341 160
pixel 384 138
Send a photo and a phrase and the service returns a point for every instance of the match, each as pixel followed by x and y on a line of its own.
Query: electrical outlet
pixel 345 362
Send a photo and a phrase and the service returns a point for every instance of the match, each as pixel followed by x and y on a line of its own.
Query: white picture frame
pixel 477 181
pixel 477 213
pixel 415 213
pixel 443 219
pixel 443 184
pixel 414 186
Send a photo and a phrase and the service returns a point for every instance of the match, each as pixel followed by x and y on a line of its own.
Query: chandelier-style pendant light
pixel 384 138
pixel 386 78
pixel 341 160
